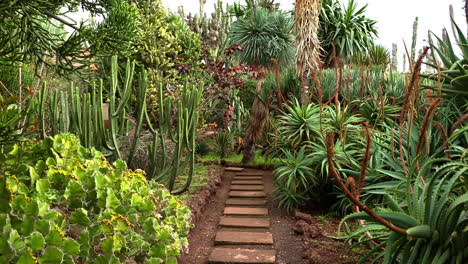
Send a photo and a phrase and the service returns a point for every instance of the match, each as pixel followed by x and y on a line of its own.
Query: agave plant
pixel 341 118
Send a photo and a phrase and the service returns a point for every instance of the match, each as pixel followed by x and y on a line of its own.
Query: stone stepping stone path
pixel 234 169
pixel 250 174
pixel 246 201
pixel 247 178
pixel 247 194
pixel 247 188
pixel 244 231
pixel 238 255
pixel 245 211
pixel 244 222
pixel 247 182
pixel 243 238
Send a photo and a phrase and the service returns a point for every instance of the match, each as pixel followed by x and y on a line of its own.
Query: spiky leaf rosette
pixel 264 35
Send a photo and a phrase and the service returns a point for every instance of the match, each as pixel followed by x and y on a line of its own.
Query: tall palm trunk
pixel 255 126
pixel 307 43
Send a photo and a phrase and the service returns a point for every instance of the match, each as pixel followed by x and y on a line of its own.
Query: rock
pixel 302 216
pixel 306 229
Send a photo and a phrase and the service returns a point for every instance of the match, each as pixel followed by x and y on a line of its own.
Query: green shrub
pixel 202 148
pixel 9 77
pixel 62 203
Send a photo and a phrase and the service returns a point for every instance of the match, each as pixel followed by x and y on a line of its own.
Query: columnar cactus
pixel 82 114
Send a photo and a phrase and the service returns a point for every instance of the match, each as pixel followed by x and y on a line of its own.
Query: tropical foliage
pixel 103 121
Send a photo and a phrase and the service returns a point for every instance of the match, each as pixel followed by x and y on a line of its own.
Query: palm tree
pixel 265 35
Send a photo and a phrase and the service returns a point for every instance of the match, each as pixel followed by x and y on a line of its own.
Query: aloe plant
pixel 433 217
pixel 452 81
pixel 300 123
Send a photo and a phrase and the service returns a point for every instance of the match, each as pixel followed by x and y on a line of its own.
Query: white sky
pixel 395 17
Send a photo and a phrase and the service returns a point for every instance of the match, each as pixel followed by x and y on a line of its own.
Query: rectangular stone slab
pixel 247 188
pixel 245 211
pixel 243 238
pixel 242 256
pixel 247 194
pixel 248 202
pixel 247 182
pixel 245 222
pixel 249 174
pixel 235 169
pixel 244 178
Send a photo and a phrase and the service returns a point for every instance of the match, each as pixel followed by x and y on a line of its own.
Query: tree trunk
pixel 255 126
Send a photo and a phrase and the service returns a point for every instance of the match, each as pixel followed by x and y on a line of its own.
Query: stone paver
pixel 249 174
pixel 247 187
pixel 243 178
pixel 247 182
pixel 244 222
pixel 242 256
pixel 244 201
pixel 245 211
pixel 247 194
pixel 243 238
pixel 235 169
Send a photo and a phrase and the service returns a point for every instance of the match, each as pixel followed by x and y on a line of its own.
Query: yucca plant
pixel 347 28
pixel 264 35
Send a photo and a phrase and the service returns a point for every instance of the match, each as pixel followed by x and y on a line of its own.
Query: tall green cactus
pixel 166 169
pixel 81 113
pixel 414 40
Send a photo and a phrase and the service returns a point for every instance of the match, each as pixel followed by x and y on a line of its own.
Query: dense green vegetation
pixel 63 203
pixel 161 92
